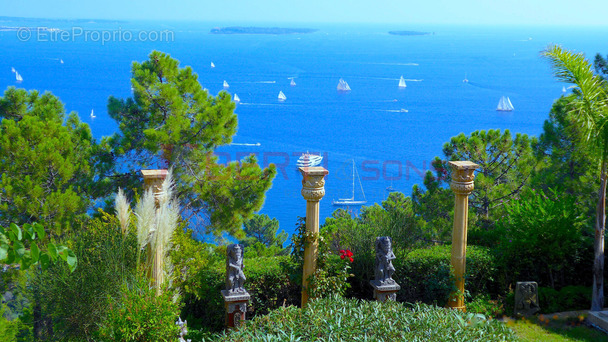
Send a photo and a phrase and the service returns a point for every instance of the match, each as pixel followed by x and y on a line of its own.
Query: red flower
pixel 341 251
pixel 342 256
pixel 351 259
pixel 349 253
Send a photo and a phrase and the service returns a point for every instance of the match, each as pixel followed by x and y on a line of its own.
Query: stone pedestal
pixel 313 189
pixel 236 306
pixel 462 185
pixel 385 292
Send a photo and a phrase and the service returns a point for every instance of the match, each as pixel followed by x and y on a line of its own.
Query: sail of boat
pixel 92 114
pixel 236 98
pixel 343 86
pixel 402 82
pixel 466 80
pixel 282 96
pixel 504 104
pixel 351 200
pixel 226 84
pixel 292 83
pixel 563 89
pixel 18 77
pixel 212 65
pixel 13 69
pixel 61 61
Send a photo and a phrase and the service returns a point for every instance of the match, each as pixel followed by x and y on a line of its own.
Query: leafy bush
pixel 139 314
pixel 339 319
pixel 424 274
pixel 540 238
pixel 568 298
pixel 74 301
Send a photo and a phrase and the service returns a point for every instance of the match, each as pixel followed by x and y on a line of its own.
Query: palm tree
pixel 589 108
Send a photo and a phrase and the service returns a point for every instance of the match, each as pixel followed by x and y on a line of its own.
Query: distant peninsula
pixel 260 30
pixel 410 33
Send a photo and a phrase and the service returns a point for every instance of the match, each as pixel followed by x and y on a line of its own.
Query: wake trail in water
pixel 246 144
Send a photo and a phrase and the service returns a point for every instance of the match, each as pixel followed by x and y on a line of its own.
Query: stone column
pixel 313 190
pixel 154 179
pixel 462 185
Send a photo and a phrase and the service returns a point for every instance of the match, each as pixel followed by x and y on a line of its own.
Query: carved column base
pixel 385 292
pixel 236 306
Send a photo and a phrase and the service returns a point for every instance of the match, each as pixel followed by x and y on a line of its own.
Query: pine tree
pixel 45 162
pixel 171 121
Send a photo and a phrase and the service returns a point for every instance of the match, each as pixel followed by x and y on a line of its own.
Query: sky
pixel 466 12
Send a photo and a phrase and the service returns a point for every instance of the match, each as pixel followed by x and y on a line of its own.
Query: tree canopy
pixel 172 121
pixel 47 162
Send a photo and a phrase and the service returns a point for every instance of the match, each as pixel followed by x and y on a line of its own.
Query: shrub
pixel 424 274
pixel 339 319
pixel 540 238
pixel 139 314
pixel 74 301
pixel 568 298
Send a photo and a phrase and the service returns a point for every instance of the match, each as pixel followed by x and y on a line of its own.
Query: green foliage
pixel 20 246
pixel 46 164
pixel 569 163
pixel 505 164
pixel 339 319
pixel 75 301
pixel 260 228
pixel 589 110
pixel 540 237
pixel 568 298
pixel 426 272
pixel 331 279
pixel 435 205
pixel 172 121
pixel 139 314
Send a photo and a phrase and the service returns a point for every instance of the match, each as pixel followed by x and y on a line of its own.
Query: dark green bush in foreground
pixel 339 319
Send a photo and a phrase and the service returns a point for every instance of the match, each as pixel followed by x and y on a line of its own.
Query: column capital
pixel 463 174
pixel 313 183
pixel 154 178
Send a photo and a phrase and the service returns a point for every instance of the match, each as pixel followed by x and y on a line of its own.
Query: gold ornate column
pixel 313 189
pixel 462 185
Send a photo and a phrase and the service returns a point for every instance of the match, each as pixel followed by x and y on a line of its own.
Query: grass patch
pixel 551 329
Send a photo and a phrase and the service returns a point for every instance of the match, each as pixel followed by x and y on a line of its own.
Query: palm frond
pixel 590 105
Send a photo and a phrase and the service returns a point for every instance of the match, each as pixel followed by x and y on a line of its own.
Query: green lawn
pixel 551 329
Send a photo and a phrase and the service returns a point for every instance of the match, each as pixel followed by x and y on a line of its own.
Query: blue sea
pixel 390 147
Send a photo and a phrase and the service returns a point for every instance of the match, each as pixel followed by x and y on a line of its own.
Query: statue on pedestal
pixel 234 270
pixel 384 264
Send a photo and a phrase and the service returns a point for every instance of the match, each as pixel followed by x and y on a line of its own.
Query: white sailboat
pixel 466 80
pixel 226 84
pixel 564 89
pixel 12 69
pixel 212 65
pixel 402 83
pixel 92 114
pixel 61 61
pixel 236 98
pixel 352 201
pixel 343 86
pixel 505 105
pixel 18 77
pixel 292 83
pixel 282 96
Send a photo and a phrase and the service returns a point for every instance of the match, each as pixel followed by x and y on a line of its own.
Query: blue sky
pixel 519 12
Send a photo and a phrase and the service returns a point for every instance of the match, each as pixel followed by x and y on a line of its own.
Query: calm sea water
pixel 390 147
